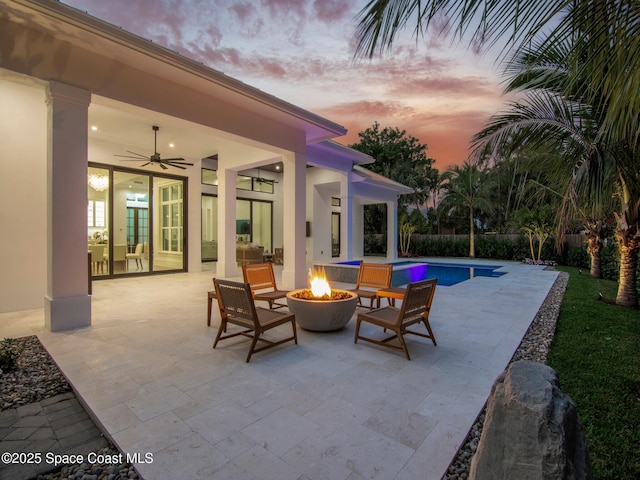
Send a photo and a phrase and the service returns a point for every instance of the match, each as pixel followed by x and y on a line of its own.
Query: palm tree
pixel 466 190
pixel 603 61
pixel 557 112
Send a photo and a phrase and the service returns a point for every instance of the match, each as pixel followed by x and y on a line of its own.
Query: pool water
pixel 447 273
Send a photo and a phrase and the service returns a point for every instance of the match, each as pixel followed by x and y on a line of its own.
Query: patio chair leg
pixel 431 336
pixel 403 344
pixel 253 345
pixel 221 328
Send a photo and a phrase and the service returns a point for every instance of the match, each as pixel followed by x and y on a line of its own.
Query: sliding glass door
pixel 209 245
pixel 98 233
pixel 136 221
pixel 131 250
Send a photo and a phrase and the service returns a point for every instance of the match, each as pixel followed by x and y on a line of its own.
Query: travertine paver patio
pixel 324 409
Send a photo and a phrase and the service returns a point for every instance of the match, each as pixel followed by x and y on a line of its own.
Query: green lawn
pixel 596 352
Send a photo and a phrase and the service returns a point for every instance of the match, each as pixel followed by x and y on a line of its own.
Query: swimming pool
pixel 406 271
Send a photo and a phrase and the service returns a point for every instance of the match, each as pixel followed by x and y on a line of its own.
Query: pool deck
pixel 322 409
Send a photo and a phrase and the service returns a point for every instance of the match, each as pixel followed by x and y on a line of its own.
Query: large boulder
pixel 531 429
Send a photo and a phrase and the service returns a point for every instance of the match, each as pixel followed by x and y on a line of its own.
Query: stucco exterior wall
pixel 23 237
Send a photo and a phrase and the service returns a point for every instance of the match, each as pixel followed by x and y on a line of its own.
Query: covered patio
pixel 325 408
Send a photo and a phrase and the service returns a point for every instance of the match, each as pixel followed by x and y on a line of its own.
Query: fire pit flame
pixel 319 284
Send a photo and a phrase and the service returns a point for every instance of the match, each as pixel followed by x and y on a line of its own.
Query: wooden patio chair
pixel 237 307
pixel 263 283
pixel 211 296
pixel 415 309
pixel 374 276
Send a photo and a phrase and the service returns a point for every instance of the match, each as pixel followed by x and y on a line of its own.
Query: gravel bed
pixel 535 347
pixel 37 377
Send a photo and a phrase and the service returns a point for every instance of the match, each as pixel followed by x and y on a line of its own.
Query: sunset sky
pixel 302 51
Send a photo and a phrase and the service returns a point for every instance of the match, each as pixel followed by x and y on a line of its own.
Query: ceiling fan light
pixel 98 182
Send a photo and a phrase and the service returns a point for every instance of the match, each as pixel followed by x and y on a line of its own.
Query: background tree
pixel 466 191
pixel 400 157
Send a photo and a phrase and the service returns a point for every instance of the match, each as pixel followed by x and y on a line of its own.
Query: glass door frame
pixel 152 204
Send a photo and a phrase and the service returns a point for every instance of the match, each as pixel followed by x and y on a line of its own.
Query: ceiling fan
pixel 155 158
pixel 268 181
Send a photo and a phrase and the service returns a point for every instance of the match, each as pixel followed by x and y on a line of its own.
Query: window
pixel 171 218
pixel 335 202
pixel 96 213
pixel 209 177
pixel 264 186
pixel 335 234
pixel 244 183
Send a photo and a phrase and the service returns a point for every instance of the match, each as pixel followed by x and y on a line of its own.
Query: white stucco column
pixel 346 217
pixel 226 266
pixel 392 230
pixel 67 302
pixel 294 273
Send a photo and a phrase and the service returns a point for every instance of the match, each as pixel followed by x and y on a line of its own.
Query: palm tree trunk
pixel 595 243
pixel 596 265
pixel 594 248
pixel 627 292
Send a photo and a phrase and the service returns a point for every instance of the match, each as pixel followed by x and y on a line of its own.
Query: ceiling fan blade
pixel 177 166
pixel 173 159
pixel 145 164
pixel 138 154
pixel 164 167
pixel 131 158
pixel 181 163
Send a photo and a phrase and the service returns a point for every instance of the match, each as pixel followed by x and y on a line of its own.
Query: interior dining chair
pixel 278 256
pixel 137 256
pixel 263 283
pixel 415 308
pixel 237 307
pixel 98 258
pixel 371 278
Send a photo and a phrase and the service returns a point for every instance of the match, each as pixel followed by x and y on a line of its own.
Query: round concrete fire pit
pixel 322 315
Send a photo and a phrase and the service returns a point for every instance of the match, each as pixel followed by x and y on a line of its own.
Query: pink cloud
pixel 445 85
pixel 243 11
pixel 278 7
pixel 368 109
pixel 329 11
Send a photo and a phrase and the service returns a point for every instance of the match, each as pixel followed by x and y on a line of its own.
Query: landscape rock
pixel 531 429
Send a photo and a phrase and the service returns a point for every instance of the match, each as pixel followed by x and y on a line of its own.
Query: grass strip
pixel 596 352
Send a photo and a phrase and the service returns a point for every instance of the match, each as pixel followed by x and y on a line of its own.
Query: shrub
pixel 10 351
pixel 577 257
pixel 375 244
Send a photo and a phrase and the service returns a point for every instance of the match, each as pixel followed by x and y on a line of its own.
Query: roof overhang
pixel 361 174
pixel 330 154
pixel 103 39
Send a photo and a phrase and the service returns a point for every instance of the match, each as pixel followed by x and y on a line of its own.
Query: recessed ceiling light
pixel 94 128
pixel 171 145
pixel 277 167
